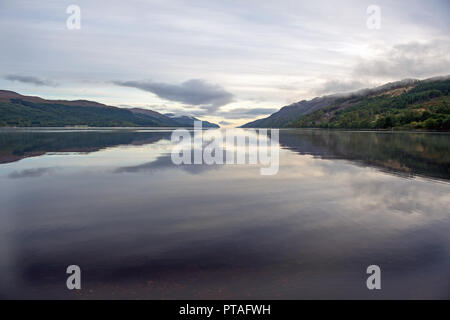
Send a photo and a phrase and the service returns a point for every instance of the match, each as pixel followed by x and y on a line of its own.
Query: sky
pixel 228 62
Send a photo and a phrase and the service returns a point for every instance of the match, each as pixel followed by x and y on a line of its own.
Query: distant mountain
pixel 8 96
pixel 288 113
pixel 29 111
pixel 407 104
pixel 189 121
pixel 164 120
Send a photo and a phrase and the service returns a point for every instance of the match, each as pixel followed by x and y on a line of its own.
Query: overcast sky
pixel 223 61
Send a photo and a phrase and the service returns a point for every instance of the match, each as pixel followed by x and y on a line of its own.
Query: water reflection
pixel 404 153
pixel 19 144
pixel 140 227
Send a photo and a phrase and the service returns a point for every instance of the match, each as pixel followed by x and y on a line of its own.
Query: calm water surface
pixel 112 202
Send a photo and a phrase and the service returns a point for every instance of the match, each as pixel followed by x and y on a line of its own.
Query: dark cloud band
pixel 30 79
pixel 193 92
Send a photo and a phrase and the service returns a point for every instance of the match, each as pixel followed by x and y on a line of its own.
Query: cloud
pixel 225 123
pixel 404 60
pixel 242 113
pixel 339 86
pixel 195 92
pixel 30 173
pixel 408 60
pixel 166 163
pixel 30 79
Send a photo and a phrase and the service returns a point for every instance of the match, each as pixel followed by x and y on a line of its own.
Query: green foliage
pixel 426 106
pixel 24 113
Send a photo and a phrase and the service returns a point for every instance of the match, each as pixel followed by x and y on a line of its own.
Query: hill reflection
pixel 406 154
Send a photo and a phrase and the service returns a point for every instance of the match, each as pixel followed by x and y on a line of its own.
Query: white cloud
pixel 408 60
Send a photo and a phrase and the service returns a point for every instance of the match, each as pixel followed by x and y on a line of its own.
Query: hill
pixel 17 110
pixel 189 122
pixel 407 104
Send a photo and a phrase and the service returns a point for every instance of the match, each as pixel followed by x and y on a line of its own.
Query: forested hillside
pixel 28 111
pixel 425 106
pixel 406 104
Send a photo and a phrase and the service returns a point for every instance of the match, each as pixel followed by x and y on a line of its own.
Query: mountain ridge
pixel 189 121
pixel 291 115
pixel 18 110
